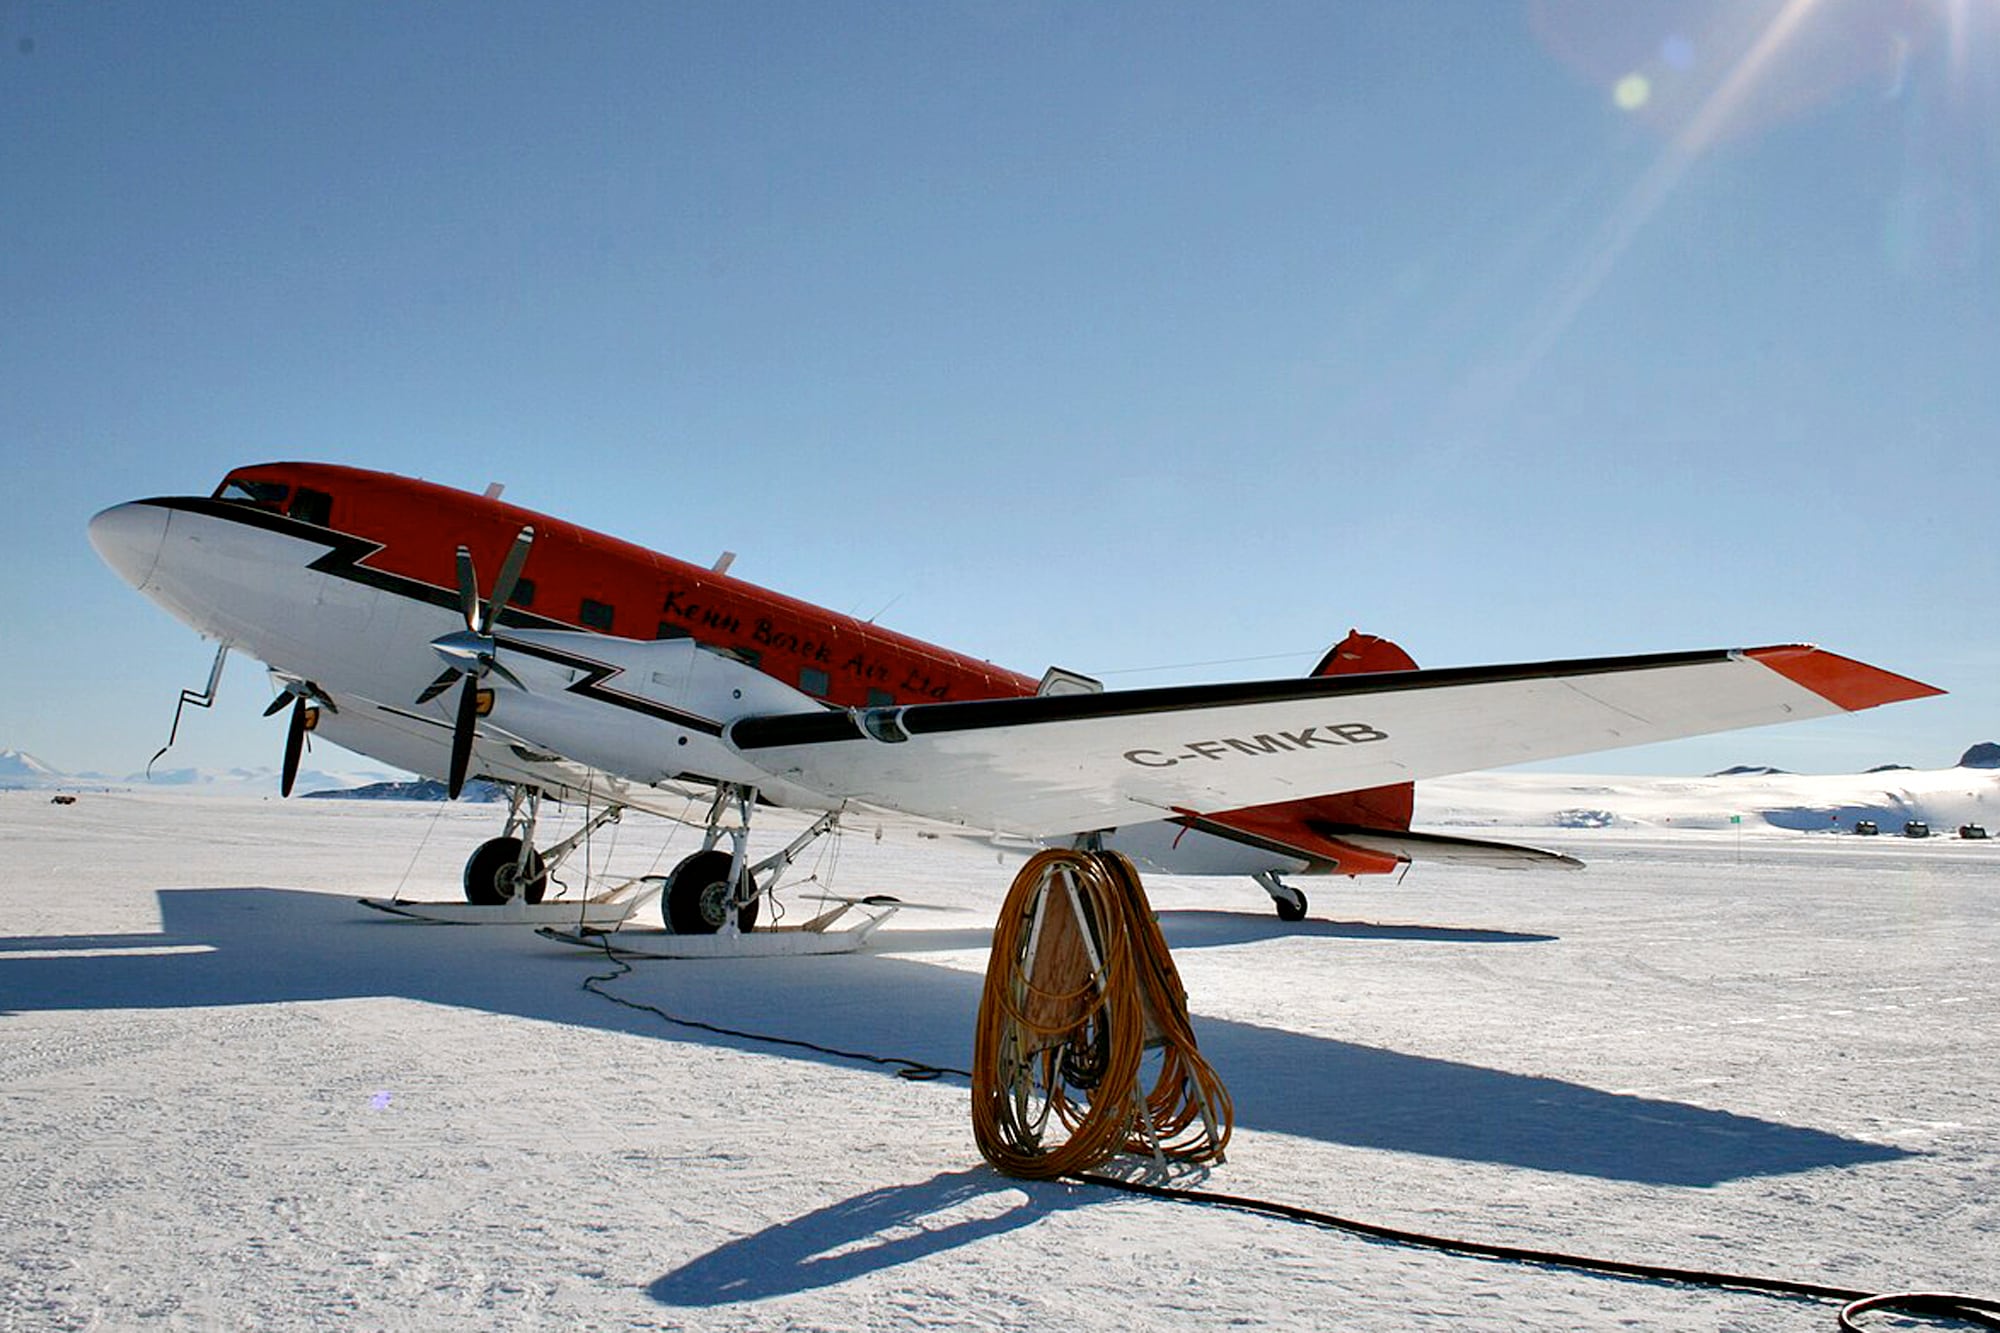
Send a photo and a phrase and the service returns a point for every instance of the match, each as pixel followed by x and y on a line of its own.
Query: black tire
pixel 490 874
pixel 1293 907
pixel 696 901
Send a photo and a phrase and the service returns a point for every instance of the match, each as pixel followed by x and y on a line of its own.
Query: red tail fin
pixel 1363 652
pixel 1377 807
pixel 1314 824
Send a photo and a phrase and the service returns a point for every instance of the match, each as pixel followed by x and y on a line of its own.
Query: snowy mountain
pixel 415 789
pixel 250 781
pixel 1986 754
pixel 18 768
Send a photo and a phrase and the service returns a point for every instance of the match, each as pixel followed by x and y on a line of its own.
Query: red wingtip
pixel 1841 680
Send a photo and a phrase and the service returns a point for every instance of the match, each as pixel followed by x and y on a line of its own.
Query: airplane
pixel 594 670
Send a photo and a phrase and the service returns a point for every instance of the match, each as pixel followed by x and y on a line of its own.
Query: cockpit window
pixel 269 494
pixel 310 506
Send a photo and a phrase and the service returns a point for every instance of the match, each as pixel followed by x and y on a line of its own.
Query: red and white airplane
pixel 593 669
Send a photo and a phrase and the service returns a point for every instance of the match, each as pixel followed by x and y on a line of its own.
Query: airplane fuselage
pixel 342 578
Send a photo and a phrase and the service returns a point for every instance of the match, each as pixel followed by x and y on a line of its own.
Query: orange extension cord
pixel 1079 989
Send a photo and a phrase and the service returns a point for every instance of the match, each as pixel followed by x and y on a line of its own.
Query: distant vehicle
pixel 1975 832
pixel 1916 828
pixel 1866 828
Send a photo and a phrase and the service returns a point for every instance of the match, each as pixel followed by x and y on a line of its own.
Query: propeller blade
pixel 440 685
pixel 510 574
pixel 295 739
pixel 283 698
pixel 493 665
pixel 461 736
pixel 468 590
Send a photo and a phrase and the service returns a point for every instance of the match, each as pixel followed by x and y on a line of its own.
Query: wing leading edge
pixel 1049 765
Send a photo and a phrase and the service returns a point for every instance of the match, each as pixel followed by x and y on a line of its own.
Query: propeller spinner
pixel 469 654
pixel 306 700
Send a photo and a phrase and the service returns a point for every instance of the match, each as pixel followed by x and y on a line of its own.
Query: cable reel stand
pixel 1082 1001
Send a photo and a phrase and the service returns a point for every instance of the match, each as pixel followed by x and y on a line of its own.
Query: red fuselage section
pixel 579 579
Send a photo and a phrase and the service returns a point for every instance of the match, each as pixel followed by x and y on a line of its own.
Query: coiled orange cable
pixel 1079 988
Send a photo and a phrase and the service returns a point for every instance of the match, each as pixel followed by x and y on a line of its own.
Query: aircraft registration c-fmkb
pixel 590 669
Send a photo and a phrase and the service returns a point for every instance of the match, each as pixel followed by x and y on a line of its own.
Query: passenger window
pixel 310 506
pixel 596 615
pixel 814 681
pixel 672 632
pixel 881 699
pixel 523 594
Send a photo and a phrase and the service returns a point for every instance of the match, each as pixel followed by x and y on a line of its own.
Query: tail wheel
pixel 494 874
pixel 698 894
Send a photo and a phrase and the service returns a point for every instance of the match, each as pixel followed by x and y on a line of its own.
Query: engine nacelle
pixel 655 710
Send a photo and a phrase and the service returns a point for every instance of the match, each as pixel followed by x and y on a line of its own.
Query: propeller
pixel 303 696
pixel 469 654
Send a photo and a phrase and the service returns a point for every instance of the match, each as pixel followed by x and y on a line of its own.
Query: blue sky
pixel 1159 341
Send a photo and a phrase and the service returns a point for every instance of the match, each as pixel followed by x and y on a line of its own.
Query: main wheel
pixel 1291 907
pixel 697 896
pixel 494 875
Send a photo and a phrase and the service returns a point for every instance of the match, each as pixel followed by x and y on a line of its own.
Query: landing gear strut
pixel 508 867
pixel 1290 902
pixel 716 887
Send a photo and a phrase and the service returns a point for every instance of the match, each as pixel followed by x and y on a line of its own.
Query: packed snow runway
pixel 233 1097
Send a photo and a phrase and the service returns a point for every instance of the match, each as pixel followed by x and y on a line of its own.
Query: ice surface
pixel 234 1097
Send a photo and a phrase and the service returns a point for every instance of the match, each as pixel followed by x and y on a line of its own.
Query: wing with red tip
pixel 1059 764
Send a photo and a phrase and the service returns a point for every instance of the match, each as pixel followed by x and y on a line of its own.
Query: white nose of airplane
pixel 128 538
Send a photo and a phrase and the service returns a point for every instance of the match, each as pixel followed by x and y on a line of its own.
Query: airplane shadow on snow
pixel 259 946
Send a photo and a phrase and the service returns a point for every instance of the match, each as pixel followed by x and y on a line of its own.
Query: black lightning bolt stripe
pixel 592 686
pixel 346 558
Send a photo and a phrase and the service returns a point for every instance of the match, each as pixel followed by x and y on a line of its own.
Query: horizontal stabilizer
pixel 1449 850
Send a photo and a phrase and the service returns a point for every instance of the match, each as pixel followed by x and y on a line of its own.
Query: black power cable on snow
pixel 914 1070
pixel 1971 1309
pixel 1922 1304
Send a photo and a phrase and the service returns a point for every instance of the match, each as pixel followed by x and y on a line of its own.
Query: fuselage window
pixel 672 632
pixel 269 494
pixel 596 615
pixel 814 681
pixel 524 593
pixel 310 506
pixel 880 699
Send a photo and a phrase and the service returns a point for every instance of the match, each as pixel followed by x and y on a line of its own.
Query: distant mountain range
pixel 20 770
pixel 415 789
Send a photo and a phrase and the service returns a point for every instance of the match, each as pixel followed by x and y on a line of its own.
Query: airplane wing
pixel 1049 765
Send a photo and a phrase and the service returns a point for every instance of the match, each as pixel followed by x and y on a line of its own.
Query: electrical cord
pixel 914 1070
pixel 1973 1310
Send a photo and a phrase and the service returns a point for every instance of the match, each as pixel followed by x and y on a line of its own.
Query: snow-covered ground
pixel 232 1097
pixel 1808 803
